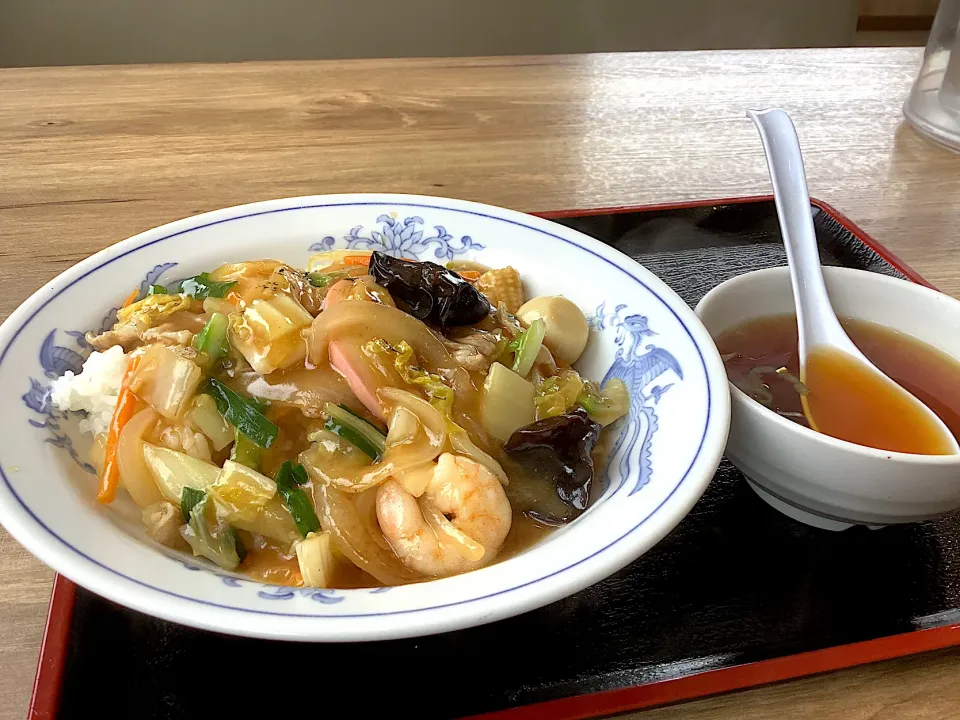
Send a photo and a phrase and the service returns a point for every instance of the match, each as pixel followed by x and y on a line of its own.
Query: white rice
pixel 94 390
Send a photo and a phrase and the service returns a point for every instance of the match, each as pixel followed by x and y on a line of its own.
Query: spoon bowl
pixel 827 355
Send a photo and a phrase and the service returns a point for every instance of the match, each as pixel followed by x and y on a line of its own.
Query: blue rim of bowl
pixel 332 616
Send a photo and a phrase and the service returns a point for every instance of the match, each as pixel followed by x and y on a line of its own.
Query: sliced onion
pixel 366 505
pixel 461 442
pixel 306 389
pixel 135 476
pixel 429 417
pixel 406 452
pixel 416 479
pixel 339 517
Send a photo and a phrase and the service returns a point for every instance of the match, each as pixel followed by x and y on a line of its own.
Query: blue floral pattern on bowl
pixel 637 363
pixel 401 239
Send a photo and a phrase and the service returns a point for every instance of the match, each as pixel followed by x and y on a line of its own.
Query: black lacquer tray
pixel 736 595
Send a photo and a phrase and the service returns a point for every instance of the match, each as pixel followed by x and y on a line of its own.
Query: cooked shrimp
pixel 458 524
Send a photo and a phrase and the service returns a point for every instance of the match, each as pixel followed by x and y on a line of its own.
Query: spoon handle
pixel 816 321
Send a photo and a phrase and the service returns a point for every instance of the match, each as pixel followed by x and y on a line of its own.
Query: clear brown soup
pixel 753 352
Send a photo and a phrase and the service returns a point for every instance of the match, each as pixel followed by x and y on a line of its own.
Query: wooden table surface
pixel 93 155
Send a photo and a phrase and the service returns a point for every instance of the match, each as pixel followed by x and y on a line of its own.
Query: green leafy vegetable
pixel 296 501
pixel 357 432
pixel 607 405
pixel 300 476
pixel 212 340
pixel 405 362
pixel 201 287
pixel 189 499
pixel 210 537
pixel 157 290
pixel 558 394
pixel 242 414
pixel 526 347
pixel 321 279
pixel 245 451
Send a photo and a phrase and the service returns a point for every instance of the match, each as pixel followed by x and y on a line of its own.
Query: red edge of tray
pixel 53 651
pixel 47 685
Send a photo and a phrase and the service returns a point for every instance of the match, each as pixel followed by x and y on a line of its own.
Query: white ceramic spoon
pixel 817 323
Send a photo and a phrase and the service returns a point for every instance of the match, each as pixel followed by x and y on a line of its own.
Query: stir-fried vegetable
pixel 558 394
pixel 526 347
pixel 267 333
pixel 135 476
pixel 288 482
pixel 317 559
pixel 203 415
pixel 150 310
pixel 212 340
pixel 245 451
pixel 174 471
pixel 355 430
pixel 506 402
pixel 328 278
pixel 405 362
pixel 242 414
pixel 201 286
pixel 212 538
pixel 157 290
pixel 502 285
pixel 241 493
pixel 189 499
pixel 166 380
pixel 126 407
pixel 606 405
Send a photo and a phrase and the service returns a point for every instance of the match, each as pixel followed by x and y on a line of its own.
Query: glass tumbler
pixel 933 107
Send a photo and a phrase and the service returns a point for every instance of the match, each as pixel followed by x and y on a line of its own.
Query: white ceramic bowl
pixel 668 449
pixel 815 478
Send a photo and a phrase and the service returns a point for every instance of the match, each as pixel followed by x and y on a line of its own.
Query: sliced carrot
pixel 469 275
pixel 132 297
pixel 126 407
pixel 356 260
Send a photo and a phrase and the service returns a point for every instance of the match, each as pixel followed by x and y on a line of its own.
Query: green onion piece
pixel 212 340
pixel 201 287
pixel 157 290
pixel 245 451
pixel 526 347
pixel 355 431
pixel 242 414
pixel 590 403
pixel 189 499
pixel 295 499
pixel 300 476
pixel 321 279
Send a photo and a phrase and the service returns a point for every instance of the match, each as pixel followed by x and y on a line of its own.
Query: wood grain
pixel 92 155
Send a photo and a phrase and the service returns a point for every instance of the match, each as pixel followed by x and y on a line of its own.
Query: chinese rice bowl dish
pixel 365 421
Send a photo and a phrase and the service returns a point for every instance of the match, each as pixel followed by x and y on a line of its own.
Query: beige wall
pixel 63 32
